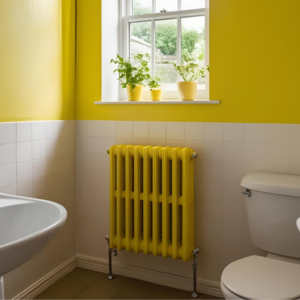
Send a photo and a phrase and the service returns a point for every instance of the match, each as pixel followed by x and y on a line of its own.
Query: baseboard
pixel 43 283
pixel 184 283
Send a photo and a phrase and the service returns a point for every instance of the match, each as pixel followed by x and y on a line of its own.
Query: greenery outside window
pixel 167 30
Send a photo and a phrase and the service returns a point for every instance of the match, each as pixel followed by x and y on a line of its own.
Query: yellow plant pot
pixel 135 94
pixel 156 95
pixel 187 90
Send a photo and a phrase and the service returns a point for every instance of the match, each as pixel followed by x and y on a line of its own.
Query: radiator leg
pixel 110 252
pixel 195 265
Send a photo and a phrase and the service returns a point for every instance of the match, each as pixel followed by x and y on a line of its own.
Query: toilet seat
pixel 257 277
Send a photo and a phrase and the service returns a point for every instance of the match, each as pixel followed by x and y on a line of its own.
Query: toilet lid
pixel 257 277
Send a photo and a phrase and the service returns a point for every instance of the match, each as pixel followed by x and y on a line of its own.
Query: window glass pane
pixel 140 38
pixel 142 7
pixel 192 4
pixel 166 50
pixel 166 5
pixel 193 40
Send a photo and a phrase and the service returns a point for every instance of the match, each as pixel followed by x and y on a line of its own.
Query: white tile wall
pixel 25 171
pixel 38 159
pixel 226 152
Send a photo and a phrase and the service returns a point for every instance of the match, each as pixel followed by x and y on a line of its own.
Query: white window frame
pixel 126 17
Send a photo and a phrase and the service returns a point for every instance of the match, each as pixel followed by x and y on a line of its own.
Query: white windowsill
pixel 205 102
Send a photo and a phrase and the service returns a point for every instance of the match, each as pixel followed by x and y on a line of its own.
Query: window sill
pixel 125 102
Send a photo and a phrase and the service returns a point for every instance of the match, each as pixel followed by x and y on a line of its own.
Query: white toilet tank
pixel 273 209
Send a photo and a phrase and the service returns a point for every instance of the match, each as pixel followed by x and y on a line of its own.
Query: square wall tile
pixel 295 134
pixel 213 150
pixel 38 168
pixel 234 132
pixel 51 129
pixel 8 154
pixel 158 142
pixel 141 142
pixel 82 128
pixel 279 155
pixel 124 129
pixel 175 130
pixel 24 152
pixel 66 128
pixel 8 133
pixel 158 130
pixel 234 171
pixel 10 190
pixel 8 175
pixel 141 130
pixel 279 169
pixel 279 134
pixel 295 156
pixel 255 167
pixel 106 143
pixel 24 132
pixel 194 131
pixel 256 153
pixel 124 141
pixel 38 131
pixel 109 128
pixel 24 171
pixel 38 149
pixel 234 152
pixel 214 132
pixel 255 133
pixel 212 169
pixel 175 143
pixel 24 189
pixel 95 128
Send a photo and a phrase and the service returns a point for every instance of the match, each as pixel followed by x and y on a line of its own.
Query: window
pixel 168 30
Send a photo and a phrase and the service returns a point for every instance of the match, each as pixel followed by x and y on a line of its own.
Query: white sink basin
pixel 26 227
pixel 298 224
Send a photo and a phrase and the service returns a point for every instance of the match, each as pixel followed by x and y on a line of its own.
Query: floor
pixel 86 284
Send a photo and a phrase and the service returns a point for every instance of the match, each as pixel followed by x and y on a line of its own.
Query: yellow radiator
pixel 152 200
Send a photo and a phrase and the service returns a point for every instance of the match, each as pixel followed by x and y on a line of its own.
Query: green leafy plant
pixel 134 71
pixel 154 82
pixel 190 70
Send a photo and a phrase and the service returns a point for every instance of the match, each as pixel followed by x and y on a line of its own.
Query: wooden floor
pixel 86 284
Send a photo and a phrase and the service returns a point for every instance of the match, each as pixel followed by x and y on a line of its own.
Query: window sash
pixel 158 17
pixel 130 6
pixel 128 18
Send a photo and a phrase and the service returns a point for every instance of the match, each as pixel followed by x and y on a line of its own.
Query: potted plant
pixel 133 74
pixel 156 94
pixel 190 72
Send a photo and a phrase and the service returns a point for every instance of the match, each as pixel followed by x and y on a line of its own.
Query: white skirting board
pixel 101 265
pixel 184 283
pixel 42 284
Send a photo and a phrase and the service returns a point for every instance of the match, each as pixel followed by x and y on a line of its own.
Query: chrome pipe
pixel 110 252
pixel 195 266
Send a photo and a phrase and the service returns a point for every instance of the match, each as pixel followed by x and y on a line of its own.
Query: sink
pixel 26 227
pixel 298 224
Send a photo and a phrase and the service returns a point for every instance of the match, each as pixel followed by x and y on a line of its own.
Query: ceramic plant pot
pixel 135 94
pixel 187 90
pixel 156 95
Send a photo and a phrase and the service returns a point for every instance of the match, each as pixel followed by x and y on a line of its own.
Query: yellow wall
pixel 254 58
pixel 37 60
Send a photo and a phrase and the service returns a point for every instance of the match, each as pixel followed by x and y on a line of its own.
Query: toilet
pixel 273 208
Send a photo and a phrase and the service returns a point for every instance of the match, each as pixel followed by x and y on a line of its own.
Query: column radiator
pixel 152 200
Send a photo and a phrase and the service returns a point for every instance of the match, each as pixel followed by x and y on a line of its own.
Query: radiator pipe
pixel 194 155
pixel 195 265
pixel 110 252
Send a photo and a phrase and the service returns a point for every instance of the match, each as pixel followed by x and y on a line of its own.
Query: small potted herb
pixel 190 72
pixel 133 74
pixel 156 94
